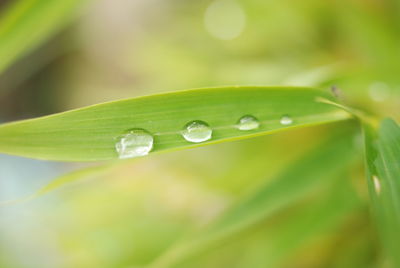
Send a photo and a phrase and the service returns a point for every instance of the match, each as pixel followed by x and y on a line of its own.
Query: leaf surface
pixel 27 23
pixel 383 174
pixel 91 133
pixel 304 177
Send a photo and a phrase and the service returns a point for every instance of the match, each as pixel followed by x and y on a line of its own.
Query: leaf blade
pixel 292 185
pixel 383 173
pixel 28 23
pixel 89 134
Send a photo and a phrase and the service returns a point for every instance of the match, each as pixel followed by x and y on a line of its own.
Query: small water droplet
pixel 377 184
pixel 248 122
pixel 135 142
pixel 197 131
pixel 286 120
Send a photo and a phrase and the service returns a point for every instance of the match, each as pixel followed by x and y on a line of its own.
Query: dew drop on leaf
pixel 197 131
pixel 135 142
pixel 286 120
pixel 248 122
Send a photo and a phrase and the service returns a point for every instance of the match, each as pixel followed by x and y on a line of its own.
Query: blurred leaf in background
pixel 383 165
pixel 59 55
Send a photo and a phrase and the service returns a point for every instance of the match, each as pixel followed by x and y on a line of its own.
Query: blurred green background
pixel 115 49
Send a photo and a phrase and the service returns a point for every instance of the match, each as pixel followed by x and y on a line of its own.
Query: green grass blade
pixel 295 183
pixel 383 163
pixel 320 216
pixel 280 241
pixel 27 23
pixel 90 133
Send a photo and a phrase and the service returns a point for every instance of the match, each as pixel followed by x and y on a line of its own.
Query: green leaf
pixel 91 133
pixel 383 170
pixel 320 216
pixel 27 23
pixel 304 177
pixel 274 242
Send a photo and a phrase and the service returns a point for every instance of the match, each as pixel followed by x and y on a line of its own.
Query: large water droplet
pixel 286 120
pixel 136 142
pixel 248 122
pixel 197 131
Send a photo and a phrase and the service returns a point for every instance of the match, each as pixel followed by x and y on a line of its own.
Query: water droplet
pixel 197 131
pixel 377 184
pixel 248 122
pixel 286 120
pixel 136 142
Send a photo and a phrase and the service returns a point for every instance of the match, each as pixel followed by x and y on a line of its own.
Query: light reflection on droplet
pixel 197 131
pixel 134 143
pixel 286 120
pixel 248 122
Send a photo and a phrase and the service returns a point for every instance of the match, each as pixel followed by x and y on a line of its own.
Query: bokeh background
pixel 115 49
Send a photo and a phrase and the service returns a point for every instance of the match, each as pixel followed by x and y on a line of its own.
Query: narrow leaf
pixel 322 215
pixel 295 183
pixel 383 170
pixel 27 23
pixel 91 133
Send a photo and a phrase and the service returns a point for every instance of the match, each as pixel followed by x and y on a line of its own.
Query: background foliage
pixel 291 199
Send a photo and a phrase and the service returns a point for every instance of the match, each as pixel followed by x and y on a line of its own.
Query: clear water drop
pixel 135 142
pixel 197 131
pixel 248 122
pixel 286 120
